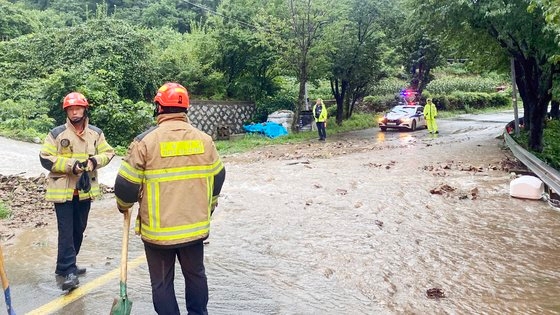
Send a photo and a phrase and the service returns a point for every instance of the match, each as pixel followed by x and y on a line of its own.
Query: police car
pixel 408 116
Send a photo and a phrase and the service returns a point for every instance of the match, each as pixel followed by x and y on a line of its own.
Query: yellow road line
pixel 77 293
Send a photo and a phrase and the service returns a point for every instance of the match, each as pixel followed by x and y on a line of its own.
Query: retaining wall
pixel 220 119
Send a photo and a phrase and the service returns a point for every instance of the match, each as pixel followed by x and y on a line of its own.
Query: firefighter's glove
pixel 77 168
pixel 84 183
pixel 93 163
pixel 80 167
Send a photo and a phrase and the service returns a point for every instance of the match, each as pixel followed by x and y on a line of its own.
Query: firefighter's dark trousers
pixel 161 264
pixel 71 217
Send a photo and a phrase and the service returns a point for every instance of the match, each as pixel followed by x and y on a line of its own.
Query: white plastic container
pixel 526 187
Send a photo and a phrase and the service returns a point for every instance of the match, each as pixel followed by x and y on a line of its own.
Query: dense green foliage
pixel 471 100
pixel 102 58
pixel 551 152
pixel 513 30
pixel 466 84
pixel 117 52
pixel 15 21
pixel 452 88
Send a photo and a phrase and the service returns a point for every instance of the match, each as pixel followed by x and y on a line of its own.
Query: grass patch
pixel 5 211
pixel 250 141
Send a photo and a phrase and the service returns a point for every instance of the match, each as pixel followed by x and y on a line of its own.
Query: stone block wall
pixel 219 119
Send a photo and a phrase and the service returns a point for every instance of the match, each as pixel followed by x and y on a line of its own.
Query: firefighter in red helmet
pixel 174 172
pixel 72 153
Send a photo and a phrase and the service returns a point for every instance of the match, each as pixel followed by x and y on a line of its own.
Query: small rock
pixel 435 293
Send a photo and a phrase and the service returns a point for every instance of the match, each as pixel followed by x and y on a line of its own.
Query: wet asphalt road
pixel 345 236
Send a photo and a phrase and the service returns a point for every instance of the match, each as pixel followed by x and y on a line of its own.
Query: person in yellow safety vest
pixel 320 114
pixel 174 172
pixel 430 114
pixel 68 151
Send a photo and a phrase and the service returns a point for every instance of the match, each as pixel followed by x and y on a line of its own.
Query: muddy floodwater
pixel 362 224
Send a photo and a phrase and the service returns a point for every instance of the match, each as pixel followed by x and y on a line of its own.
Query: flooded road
pixel 344 227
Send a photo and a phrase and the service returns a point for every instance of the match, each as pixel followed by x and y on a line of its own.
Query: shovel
pixel 122 305
pixel 6 285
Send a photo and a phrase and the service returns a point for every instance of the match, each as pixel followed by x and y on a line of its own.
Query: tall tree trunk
pixel 534 80
pixel 346 105
pixel 356 94
pixel 339 92
pixel 302 78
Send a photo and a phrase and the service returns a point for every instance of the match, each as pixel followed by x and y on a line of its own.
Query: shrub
pixel 551 145
pixel 270 104
pixel 24 114
pixel 331 111
pixel 450 84
pixel 122 120
pixel 5 211
pixel 470 100
pixel 378 103
pixel 389 86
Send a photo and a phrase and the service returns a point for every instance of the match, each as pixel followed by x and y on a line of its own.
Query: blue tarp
pixel 269 129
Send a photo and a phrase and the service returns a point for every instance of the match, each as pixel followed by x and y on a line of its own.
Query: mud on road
pixel 368 222
pixel 25 195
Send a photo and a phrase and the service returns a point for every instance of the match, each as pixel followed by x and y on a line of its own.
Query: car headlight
pixel 406 120
pixel 382 120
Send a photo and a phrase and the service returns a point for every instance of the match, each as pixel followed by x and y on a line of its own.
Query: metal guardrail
pixel 547 174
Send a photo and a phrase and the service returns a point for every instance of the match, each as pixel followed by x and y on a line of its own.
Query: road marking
pixel 77 293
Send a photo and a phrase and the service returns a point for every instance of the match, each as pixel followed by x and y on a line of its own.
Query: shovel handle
pixel 124 250
pixel 5 285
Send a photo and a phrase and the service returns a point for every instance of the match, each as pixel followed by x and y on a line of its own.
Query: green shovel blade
pixel 122 305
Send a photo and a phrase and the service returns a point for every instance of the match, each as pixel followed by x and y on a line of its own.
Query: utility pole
pixel 306 98
pixel 514 96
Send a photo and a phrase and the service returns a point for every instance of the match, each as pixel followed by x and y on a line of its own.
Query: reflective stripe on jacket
pixel 170 170
pixel 60 151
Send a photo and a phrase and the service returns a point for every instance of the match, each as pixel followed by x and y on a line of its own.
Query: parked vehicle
pixel 403 117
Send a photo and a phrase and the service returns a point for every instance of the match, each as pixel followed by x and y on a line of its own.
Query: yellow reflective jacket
pixel 322 113
pixel 430 111
pixel 60 151
pixel 174 172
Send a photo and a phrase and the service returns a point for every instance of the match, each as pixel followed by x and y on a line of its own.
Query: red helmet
pixel 75 99
pixel 172 94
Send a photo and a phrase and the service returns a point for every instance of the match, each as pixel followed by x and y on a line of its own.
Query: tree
pixel 551 12
pixel 106 59
pixel 421 54
pixel 356 54
pixel 188 59
pixel 519 32
pixel 307 20
pixel 244 53
pixel 15 21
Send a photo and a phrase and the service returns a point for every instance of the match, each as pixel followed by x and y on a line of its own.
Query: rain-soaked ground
pixel 362 224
